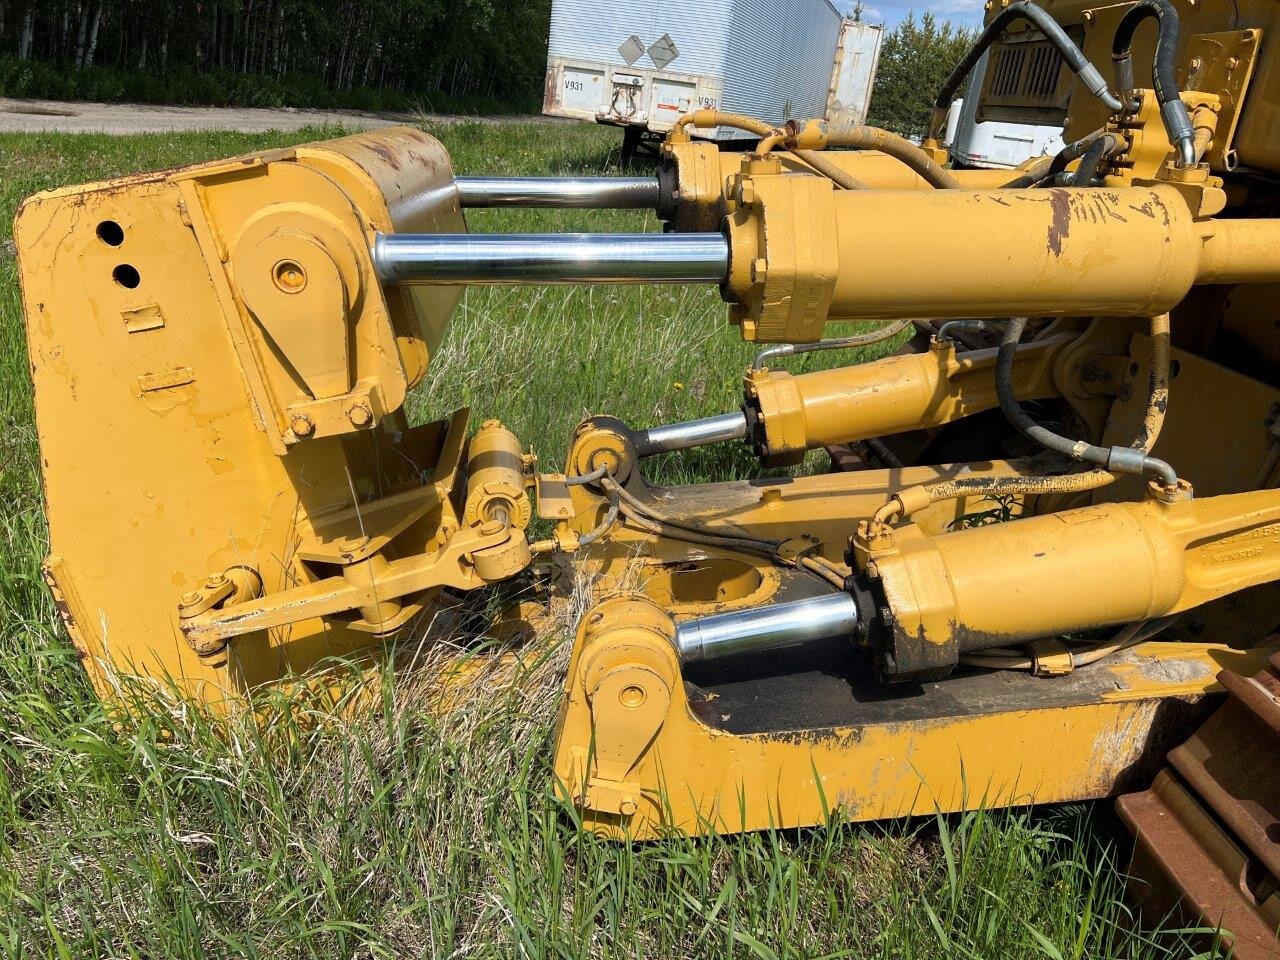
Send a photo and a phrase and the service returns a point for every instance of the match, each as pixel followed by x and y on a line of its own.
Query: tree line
pixel 371 53
pixel 464 48
pixel 915 58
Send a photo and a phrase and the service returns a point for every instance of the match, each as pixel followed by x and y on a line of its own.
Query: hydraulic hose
pixel 916 498
pixel 706 119
pixel 862 137
pixel 820 164
pixel 1047 169
pixel 1103 147
pixel 1132 459
pixel 1177 120
pixel 1043 21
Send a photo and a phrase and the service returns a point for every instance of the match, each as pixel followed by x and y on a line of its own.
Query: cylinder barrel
pixel 960 253
pixel 551 258
pixel 770 627
pixel 601 193
pixel 694 433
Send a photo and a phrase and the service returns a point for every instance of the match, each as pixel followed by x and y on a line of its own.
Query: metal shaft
pixel 600 193
pixel 509 258
pixel 694 433
pixel 766 628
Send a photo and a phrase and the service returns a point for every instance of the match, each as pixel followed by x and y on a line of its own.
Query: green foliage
pixel 467 55
pixel 915 58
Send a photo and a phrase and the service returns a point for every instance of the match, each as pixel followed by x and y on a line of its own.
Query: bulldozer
pixel 1042 568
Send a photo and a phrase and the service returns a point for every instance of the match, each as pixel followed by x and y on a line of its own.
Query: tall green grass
pixel 400 831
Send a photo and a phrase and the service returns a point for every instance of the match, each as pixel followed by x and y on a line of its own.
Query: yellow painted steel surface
pixel 218 380
pixel 234 492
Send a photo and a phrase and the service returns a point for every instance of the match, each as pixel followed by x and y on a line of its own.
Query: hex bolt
pixel 302 425
pixel 628 807
pixel 215 581
pixel 759 270
pixel 359 414
pixel 189 599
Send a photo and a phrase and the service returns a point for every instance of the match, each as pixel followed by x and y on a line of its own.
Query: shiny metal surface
pixel 600 193
pixel 694 433
pixel 764 628
pixel 510 258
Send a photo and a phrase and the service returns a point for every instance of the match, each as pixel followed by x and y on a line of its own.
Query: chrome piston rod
pixel 511 258
pixel 594 193
pixel 692 433
pixel 771 627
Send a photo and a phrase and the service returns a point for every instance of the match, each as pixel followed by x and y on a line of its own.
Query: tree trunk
pixel 83 36
pixel 28 30
pixel 93 35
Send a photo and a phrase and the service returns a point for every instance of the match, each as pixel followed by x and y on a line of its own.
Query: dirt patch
pixel 50 116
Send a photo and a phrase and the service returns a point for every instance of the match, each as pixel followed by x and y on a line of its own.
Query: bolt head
pixel 302 425
pixel 628 807
pixel 359 414
pixel 189 599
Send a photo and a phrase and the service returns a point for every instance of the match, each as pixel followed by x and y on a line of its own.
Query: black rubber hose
pixel 1072 151
pixel 1177 120
pixel 1089 163
pixel 1043 21
pixel 1115 459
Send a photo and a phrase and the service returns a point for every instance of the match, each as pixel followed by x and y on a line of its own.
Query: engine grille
pixel 1027 81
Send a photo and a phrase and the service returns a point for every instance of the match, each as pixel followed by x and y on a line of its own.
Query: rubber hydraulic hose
pixel 706 119
pixel 1044 22
pixel 882 141
pixel 1177 120
pixel 1089 163
pixel 1132 459
pixel 1044 171
pixel 914 498
pixel 820 164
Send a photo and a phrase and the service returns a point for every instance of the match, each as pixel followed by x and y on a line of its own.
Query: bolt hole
pixel 110 233
pixel 126 275
pixel 1133 369
pixel 1175 368
pixel 289 276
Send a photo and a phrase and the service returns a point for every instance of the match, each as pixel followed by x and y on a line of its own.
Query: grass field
pixel 167 832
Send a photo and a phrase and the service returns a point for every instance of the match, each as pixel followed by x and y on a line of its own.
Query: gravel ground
pixel 35 116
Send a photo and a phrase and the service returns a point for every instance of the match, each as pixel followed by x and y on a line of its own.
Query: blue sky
pixel 967 13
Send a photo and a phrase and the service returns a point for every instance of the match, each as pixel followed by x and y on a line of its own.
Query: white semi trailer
pixel 642 64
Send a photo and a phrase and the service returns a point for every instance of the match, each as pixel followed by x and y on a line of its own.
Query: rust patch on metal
pixel 1060 225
